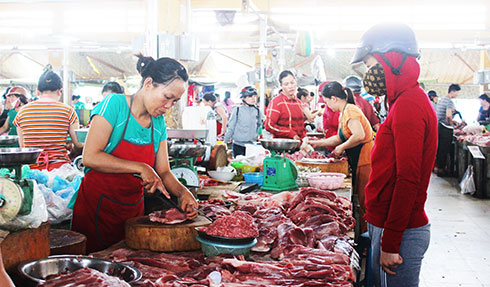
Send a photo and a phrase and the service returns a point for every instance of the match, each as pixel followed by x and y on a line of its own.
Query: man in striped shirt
pixel 46 123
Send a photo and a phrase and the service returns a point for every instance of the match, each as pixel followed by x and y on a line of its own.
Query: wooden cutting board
pixel 141 233
pixel 25 245
pixel 63 242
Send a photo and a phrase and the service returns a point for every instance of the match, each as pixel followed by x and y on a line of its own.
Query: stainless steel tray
pixel 186 134
pixel 39 270
pixel 8 140
pixel 16 156
pixel 186 150
pixel 280 144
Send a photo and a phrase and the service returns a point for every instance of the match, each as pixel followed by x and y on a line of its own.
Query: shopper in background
pixel 402 158
pixel 484 112
pixel 445 112
pixel 245 121
pixel 285 118
pixel 46 123
pixel 77 105
pixel 112 88
pixel 355 84
pixel 210 100
pixel 433 98
pixel 128 136
pixel 306 97
pixel 330 118
pixel 355 138
pixel 5 105
pixel 228 102
pixel 17 97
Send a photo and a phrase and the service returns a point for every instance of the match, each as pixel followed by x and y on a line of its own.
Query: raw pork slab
pixel 168 216
pixel 86 277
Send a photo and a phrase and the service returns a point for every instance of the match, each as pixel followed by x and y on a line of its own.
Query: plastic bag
pixel 57 204
pixel 59 184
pixel 38 215
pixel 59 188
pixel 66 172
pixel 467 184
pixel 254 155
pixel 38 176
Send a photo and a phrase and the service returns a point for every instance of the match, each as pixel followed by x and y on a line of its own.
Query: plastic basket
pixel 254 177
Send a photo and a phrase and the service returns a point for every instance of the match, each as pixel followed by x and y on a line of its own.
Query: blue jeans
pixel 415 242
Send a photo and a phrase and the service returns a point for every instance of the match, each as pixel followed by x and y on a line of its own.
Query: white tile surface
pixel 459 253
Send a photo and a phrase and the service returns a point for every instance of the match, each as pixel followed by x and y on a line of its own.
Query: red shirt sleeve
pixel 408 128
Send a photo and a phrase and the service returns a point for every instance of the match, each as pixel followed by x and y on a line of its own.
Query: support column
pixel 153 12
pixel 485 65
pixel 262 53
pixel 282 59
pixel 66 82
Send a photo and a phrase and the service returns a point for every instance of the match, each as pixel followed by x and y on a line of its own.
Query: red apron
pixel 106 200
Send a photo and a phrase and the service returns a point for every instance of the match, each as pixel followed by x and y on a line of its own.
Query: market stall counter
pixel 296 231
pixel 474 150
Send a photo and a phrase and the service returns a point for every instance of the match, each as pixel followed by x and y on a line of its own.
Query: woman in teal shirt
pixel 128 137
pixel 18 98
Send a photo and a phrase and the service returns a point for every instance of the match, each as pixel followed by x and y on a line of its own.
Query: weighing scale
pixel 16 194
pixel 280 173
pixel 185 147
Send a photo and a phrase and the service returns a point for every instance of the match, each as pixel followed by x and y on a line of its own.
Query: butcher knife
pixel 203 214
pixel 159 193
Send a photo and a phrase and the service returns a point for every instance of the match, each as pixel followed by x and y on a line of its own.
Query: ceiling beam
pixel 105 63
pixel 464 62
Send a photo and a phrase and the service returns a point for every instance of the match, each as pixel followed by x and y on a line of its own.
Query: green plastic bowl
pixel 212 249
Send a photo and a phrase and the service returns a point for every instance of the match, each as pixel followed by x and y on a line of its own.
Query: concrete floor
pixel 459 251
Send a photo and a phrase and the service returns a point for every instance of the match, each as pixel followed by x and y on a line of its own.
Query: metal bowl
pixel 186 134
pixel 280 144
pixel 186 150
pixel 16 156
pixel 39 270
pixel 8 140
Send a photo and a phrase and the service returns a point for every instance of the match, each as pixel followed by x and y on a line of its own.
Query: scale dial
pixel 12 197
pixel 186 175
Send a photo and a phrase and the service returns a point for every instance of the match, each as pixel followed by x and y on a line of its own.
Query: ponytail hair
pixel 335 89
pixel 350 96
pixel 161 71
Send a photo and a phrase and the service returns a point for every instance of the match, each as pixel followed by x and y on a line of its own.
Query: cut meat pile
pixel 237 225
pixel 301 242
pixel 302 154
pixel 213 211
pixel 480 139
pixel 168 216
pixel 212 201
pixel 85 277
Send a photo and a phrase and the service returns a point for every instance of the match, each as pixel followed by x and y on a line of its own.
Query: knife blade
pixel 158 192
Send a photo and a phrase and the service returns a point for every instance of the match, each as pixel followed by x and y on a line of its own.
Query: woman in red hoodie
pixel 402 158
